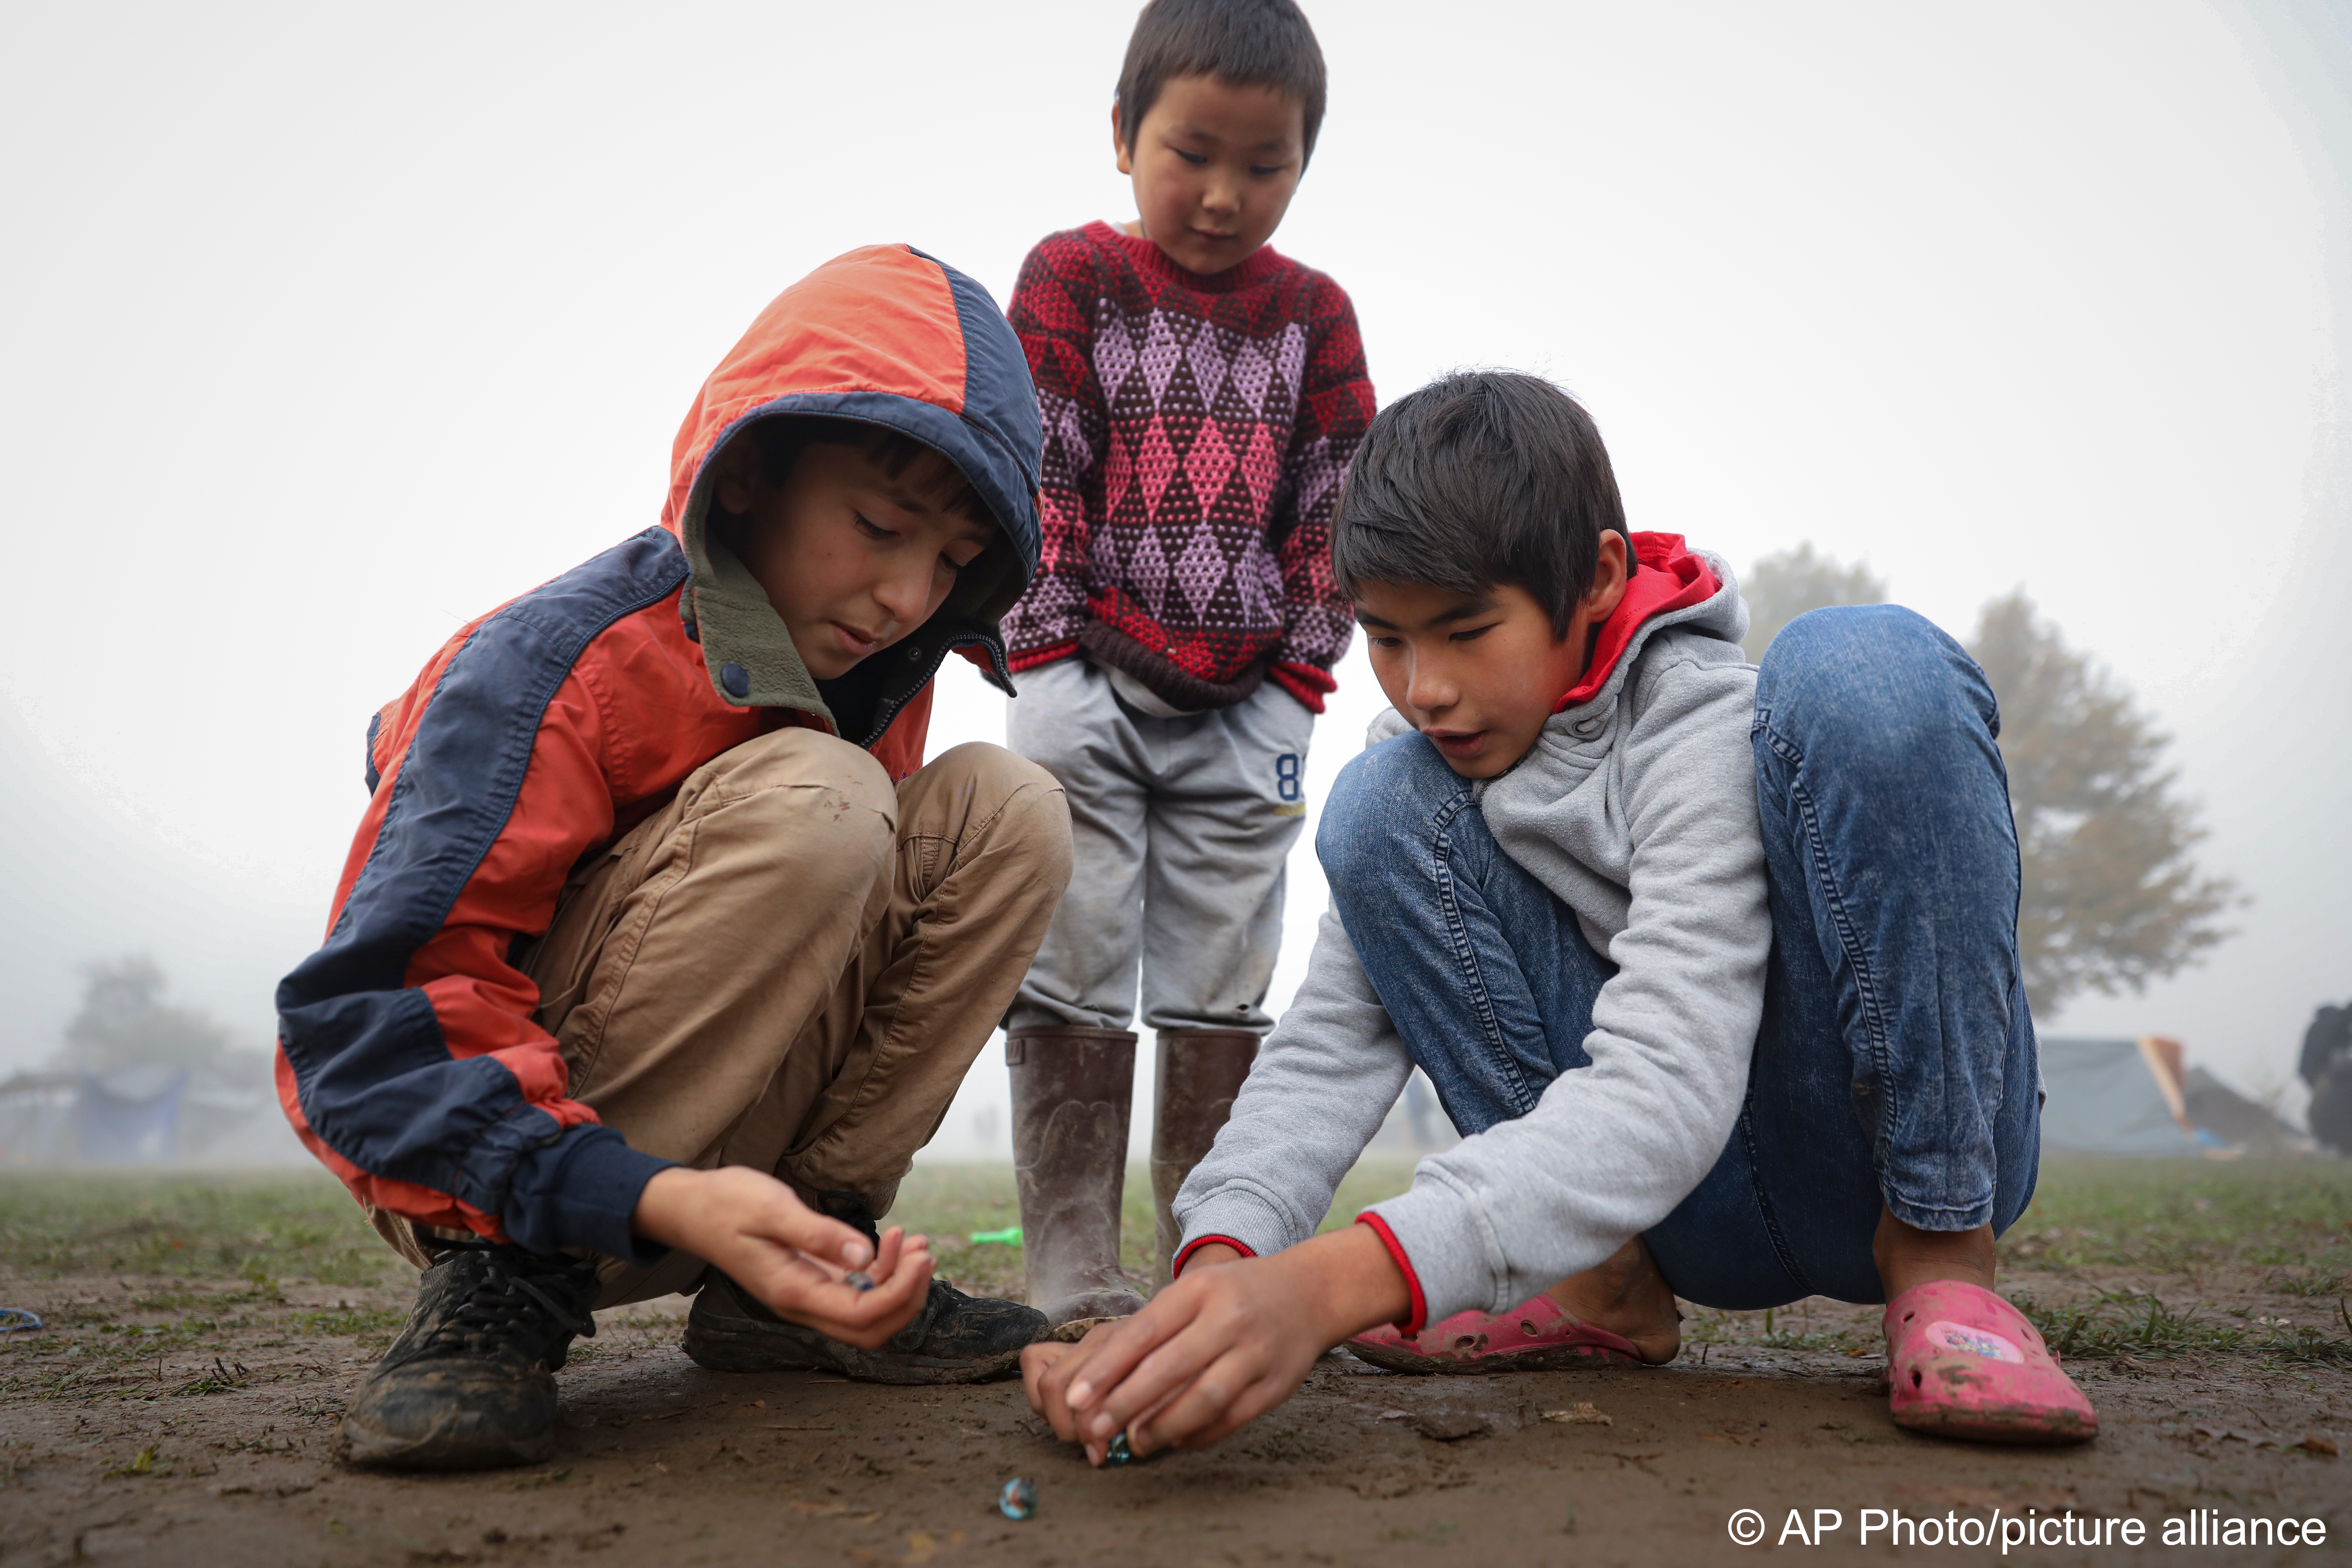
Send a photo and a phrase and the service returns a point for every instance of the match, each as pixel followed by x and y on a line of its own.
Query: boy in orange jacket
pixel 658 954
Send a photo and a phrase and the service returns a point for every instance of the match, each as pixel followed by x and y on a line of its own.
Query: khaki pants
pixel 792 966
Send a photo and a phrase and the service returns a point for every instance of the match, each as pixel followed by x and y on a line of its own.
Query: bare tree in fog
pixel 2113 899
pixel 124 1022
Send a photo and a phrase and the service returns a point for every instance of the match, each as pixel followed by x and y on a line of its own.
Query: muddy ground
pixel 185 1418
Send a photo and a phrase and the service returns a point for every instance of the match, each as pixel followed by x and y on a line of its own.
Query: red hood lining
pixel 1671 578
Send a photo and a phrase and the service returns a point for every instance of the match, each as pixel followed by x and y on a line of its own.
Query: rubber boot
pixel 1072 1092
pixel 1200 1071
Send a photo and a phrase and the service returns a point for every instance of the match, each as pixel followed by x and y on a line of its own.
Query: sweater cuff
pixel 1416 1316
pixel 1304 681
pixel 1176 1269
pixel 579 1192
pixel 1035 657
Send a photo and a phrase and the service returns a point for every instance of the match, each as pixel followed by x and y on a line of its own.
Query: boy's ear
pixel 1609 579
pixel 735 477
pixel 1118 142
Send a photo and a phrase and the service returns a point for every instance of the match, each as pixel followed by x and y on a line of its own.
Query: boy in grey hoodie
pixel 1713 967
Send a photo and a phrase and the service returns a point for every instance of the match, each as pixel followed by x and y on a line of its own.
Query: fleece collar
pixel 745 644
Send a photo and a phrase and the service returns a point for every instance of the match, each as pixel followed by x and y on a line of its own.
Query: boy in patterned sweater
pixel 1203 395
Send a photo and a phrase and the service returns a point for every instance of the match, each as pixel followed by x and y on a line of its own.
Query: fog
pixel 327 329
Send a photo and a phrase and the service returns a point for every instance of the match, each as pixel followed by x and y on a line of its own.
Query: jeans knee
pixel 1874 682
pixel 1379 810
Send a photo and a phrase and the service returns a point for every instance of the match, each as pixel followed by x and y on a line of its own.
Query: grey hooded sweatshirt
pixel 1636 808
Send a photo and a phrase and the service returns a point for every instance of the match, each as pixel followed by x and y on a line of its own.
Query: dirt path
pixel 662 1462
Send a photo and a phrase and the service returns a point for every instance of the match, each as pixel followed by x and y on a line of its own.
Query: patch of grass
pixel 224 1377
pixel 256 1227
pixel 2185 1216
pixel 116 1359
pixel 2315 1283
pixel 141 1464
pixel 2120 1323
pixel 170 1301
pixel 351 1320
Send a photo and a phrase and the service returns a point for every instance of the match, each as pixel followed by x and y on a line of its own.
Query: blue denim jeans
pixel 1896 1060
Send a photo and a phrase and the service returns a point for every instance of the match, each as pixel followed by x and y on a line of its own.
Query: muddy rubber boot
pixel 470 1383
pixel 1072 1091
pixel 1200 1071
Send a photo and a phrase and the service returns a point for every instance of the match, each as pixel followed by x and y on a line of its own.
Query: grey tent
pixel 2106 1099
pixel 2140 1097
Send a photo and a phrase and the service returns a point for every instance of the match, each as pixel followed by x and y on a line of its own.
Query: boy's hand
pixel 1217 1349
pixel 758 1231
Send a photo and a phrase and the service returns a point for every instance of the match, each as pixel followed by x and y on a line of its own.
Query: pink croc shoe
pixel 1962 1363
pixel 1535 1336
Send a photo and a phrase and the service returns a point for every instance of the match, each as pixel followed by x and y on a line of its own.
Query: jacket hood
pixel 884 335
pixel 1676 586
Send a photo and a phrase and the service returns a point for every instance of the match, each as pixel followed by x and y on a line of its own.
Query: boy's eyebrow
pixel 1464 611
pixel 1271 144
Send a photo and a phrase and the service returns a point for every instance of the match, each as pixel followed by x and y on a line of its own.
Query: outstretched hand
pixel 1227 1342
pixel 797 1261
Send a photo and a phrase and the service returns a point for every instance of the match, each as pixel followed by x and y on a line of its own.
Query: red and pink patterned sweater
pixel 1196 432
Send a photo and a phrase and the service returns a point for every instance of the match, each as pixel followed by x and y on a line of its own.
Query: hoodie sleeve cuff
pixel 1448 1238
pixel 1237 1216
pixel 579 1192
pixel 1416 1317
pixel 1176 1269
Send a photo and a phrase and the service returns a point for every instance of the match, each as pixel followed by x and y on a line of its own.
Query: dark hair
pixel 1249 43
pixel 1482 476
pixel 782 439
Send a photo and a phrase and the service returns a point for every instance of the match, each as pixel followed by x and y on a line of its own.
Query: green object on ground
pixel 1009 1236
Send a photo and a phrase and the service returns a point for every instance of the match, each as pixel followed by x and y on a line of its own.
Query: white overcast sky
pixel 324 329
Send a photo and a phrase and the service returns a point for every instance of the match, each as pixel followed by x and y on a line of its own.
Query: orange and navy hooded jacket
pixel 409 1060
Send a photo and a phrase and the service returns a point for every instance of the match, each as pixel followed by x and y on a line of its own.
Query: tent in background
pixel 129 1116
pixel 2139 1097
pixel 2105 1099
pixel 138 1115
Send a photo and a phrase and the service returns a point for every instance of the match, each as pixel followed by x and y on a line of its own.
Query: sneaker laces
pixel 503 1299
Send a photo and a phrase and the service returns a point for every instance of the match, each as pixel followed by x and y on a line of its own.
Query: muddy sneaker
pixel 470 1383
pixel 955 1338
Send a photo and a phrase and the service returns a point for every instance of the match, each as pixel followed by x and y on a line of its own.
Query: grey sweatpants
pixel 1179 829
